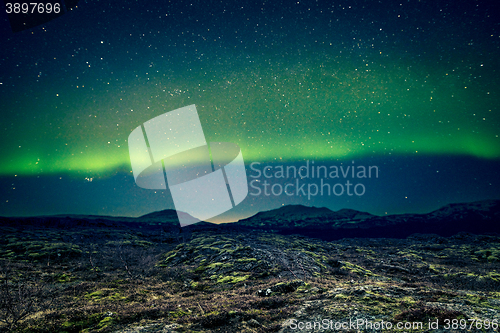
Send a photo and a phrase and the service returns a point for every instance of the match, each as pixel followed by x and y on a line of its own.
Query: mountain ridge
pixel 473 217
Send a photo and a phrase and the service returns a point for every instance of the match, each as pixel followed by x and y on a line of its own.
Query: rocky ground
pixel 129 281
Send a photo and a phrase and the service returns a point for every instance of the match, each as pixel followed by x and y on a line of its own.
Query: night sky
pixel 412 87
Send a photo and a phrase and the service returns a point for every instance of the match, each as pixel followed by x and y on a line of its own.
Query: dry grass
pixel 212 283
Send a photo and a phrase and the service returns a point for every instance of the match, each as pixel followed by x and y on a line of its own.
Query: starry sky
pixel 412 87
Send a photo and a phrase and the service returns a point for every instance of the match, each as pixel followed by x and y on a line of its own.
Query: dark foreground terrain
pixel 107 279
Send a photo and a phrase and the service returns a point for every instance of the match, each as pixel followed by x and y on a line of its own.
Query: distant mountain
pixel 298 216
pixel 167 215
pixel 295 211
pixel 476 217
pixel 166 219
pixel 482 208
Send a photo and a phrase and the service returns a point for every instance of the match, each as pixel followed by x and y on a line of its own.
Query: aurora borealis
pixel 412 86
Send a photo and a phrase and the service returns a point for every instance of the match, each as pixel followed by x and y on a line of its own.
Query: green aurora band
pixel 336 108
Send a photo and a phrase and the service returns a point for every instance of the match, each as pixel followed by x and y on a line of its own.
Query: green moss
pixel 435 268
pixel 143 243
pixel 62 278
pixel 407 300
pixel 118 282
pixel 477 300
pixel 246 260
pixel 492 259
pixel 170 255
pixel 83 324
pixel 237 249
pixel 178 314
pixel 209 249
pixel 106 322
pixel 200 268
pixel 368 301
pixel 119 243
pixel 104 295
pixel 323 266
pixel 232 279
pixel 7 254
pixel 220 243
pixel 304 287
pixel 491 254
pixel 491 276
pixel 219 264
pixel 312 254
pixel 365 251
pixel 37 250
pixel 95 295
pixel 356 269
pixel 341 297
